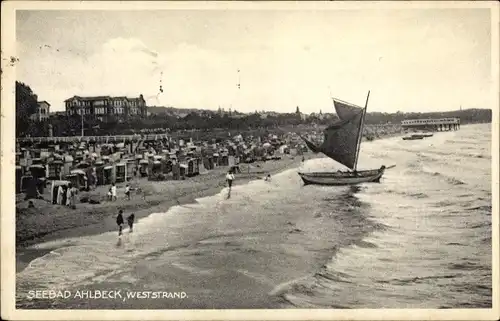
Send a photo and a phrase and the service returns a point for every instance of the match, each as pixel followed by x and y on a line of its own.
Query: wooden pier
pixel 441 124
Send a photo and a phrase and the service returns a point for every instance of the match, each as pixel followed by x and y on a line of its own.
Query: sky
pixel 411 60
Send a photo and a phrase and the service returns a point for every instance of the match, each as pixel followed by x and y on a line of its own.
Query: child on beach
pixel 127 192
pixel 119 222
pixel 130 221
pixel 113 192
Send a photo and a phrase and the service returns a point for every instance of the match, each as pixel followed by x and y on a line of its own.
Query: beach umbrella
pixel 83 165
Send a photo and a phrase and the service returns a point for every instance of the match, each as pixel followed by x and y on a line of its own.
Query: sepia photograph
pixel 250 160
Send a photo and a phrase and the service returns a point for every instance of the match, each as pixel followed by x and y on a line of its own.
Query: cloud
pixel 277 72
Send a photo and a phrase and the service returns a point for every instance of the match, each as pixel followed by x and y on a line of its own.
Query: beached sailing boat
pixel 342 144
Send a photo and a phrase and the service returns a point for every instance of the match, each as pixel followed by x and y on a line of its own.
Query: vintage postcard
pixel 250 160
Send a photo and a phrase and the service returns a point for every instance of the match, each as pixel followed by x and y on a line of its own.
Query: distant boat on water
pixel 418 136
pixel 413 137
pixel 342 144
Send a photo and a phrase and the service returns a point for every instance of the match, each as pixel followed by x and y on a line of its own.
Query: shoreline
pixel 102 218
pixel 157 203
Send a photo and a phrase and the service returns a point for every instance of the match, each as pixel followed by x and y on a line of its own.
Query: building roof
pixel 100 98
pixel 43 101
pixel 88 98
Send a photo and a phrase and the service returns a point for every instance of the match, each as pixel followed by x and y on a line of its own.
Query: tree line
pixel 204 121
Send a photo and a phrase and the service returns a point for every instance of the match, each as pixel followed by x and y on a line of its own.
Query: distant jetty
pixel 441 124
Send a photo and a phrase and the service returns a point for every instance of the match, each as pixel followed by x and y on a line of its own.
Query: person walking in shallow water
pixel 119 222
pixel 229 179
pixel 130 221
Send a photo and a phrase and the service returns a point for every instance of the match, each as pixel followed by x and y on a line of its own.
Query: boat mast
pixel 360 132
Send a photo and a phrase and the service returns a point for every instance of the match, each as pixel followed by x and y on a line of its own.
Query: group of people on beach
pixel 112 192
pixel 66 195
pixel 120 222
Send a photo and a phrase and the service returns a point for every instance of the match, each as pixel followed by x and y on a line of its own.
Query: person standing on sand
pixel 113 192
pixel 68 195
pixel 74 191
pixel 94 179
pixel 127 191
pixel 60 195
pixel 119 222
pixel 130 221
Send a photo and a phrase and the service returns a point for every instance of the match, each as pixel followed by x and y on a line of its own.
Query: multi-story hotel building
pixel 101 107
pixel 42 111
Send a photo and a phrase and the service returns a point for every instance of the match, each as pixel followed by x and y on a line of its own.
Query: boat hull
pixel 341 178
